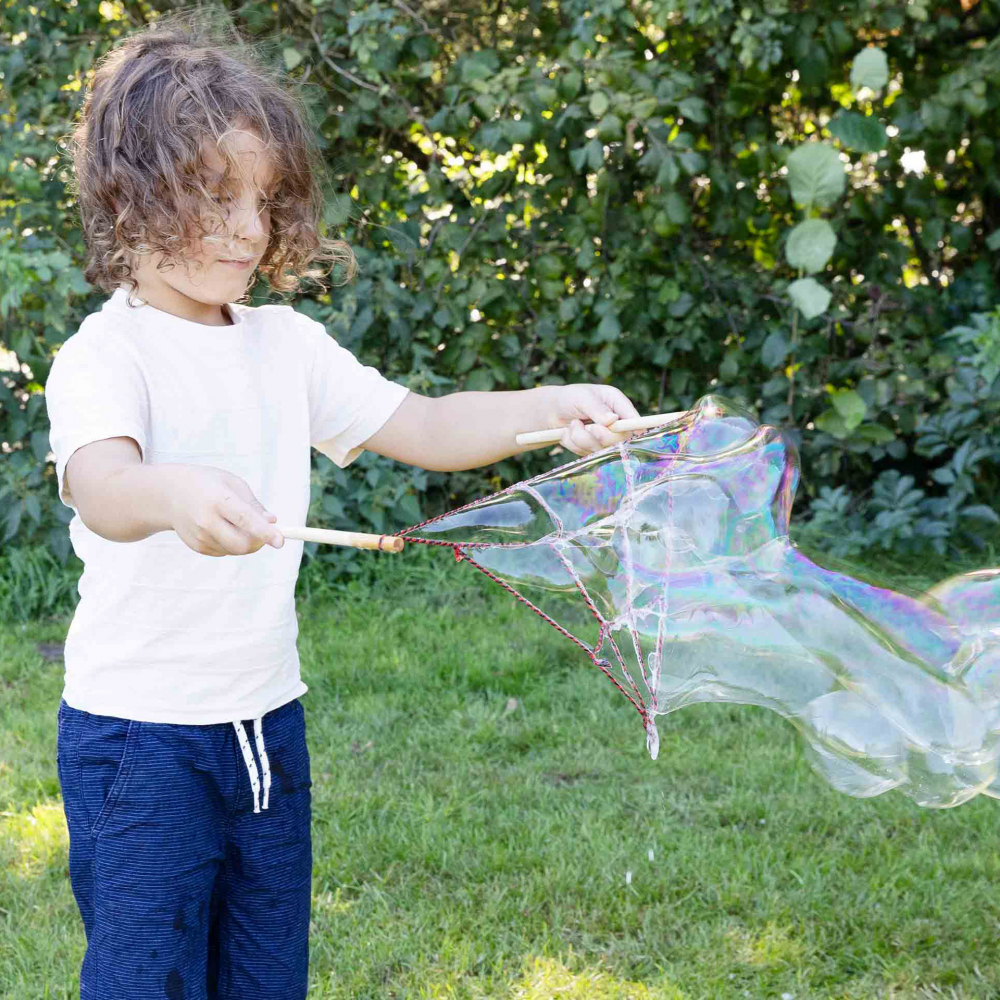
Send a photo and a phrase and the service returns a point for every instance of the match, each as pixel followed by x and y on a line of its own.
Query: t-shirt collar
pixel 119 300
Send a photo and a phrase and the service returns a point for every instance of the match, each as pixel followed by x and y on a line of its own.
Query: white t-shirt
pixel 162 633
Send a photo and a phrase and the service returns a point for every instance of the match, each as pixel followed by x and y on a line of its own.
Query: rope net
pixel 677 544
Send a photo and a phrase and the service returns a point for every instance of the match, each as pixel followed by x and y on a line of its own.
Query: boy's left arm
pixel 465 430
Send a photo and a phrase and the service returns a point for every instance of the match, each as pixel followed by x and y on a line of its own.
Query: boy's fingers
pixel 603 436
pixel 582 439
pixel 615 401
pixel 249 520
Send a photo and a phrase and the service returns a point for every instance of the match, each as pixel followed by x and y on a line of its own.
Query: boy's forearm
pixel 133 503
pixel 465 430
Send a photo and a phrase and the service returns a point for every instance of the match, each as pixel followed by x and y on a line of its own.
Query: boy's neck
pixel 170 301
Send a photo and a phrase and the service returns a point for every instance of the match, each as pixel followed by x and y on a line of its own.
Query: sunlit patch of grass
pixel 39 837
pixel 774 946
pixel 331 903
pixel 547 978
pixel 550 979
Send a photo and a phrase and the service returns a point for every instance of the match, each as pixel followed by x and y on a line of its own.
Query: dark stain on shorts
pixel 174 986
pixel 179 924
pixel 287 785
pixel 235 859
pixel 140 970
pixel 153 953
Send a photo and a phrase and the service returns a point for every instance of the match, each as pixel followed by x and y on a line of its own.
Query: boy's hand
pixel 601 405
pixel 216 514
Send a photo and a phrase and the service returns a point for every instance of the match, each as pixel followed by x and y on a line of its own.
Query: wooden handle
pixel 353 539
pixel 619 427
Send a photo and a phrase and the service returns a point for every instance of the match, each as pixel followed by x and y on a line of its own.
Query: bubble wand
pixel 351 539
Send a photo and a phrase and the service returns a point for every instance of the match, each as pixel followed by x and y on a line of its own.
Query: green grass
pixel 479 793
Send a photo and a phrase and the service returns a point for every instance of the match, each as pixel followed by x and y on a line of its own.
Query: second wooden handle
pixel 619 427
pixel 352 539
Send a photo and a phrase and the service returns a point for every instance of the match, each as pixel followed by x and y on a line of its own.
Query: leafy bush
pixel 964 435
pixel 601 190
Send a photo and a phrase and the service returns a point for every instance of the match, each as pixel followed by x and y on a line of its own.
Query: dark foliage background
pixel 564 191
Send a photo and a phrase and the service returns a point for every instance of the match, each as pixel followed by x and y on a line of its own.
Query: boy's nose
pixel 247 224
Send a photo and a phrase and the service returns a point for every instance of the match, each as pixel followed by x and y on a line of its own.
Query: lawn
pixel 487 824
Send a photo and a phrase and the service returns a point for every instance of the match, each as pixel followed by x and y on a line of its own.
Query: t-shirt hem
pixel 146 713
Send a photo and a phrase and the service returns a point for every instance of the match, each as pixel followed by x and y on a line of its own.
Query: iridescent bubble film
pixel 677 542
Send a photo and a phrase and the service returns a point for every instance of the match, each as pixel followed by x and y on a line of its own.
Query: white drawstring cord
pixel 241 735
pixel 258 734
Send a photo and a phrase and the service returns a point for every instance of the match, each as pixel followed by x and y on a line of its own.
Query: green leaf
pixel 292 58
pixel 676 208
pixel 337 209
pixel 831 422
pixel 409 507
pixel 481 380
pixel 40 445
pixel 816 174
pixel 549 266
pixel 691 161
pixel 568 309
pixel 810 296
pixel 13 520
pixel 865 133
pixel 605 360
pixel 645 107
pixel 869 69
pixel 570 83
pixel 609 328
pixel 609 128
pixel 993 240
pixel 680 308
pixel 33 508
pixel 595 154
pixel 774 350
pixel 981 512
pixel 599 103
pixel 810 245
pixel 851 407
pixel 669 171
pixel 23 342
pixel 730 366
pixel 481 65
pixel 975 104
pixel 695 109
pixel 874 434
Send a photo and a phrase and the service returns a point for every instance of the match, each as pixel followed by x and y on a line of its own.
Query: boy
pixel 181 424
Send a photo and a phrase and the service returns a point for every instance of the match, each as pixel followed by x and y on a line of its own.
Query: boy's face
pixel 240 223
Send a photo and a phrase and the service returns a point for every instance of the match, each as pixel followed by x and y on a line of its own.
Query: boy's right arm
pixel 119 498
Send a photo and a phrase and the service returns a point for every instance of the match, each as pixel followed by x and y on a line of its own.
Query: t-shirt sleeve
pixel 94 391
pixel 348 401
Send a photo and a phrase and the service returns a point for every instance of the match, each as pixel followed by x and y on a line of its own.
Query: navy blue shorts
pixel 187 892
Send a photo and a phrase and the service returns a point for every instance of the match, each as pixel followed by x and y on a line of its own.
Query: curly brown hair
pixel 155 101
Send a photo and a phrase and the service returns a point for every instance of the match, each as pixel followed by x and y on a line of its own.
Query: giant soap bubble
pixel 677 541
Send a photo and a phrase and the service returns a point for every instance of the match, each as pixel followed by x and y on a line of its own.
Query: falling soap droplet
pixel 652 739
